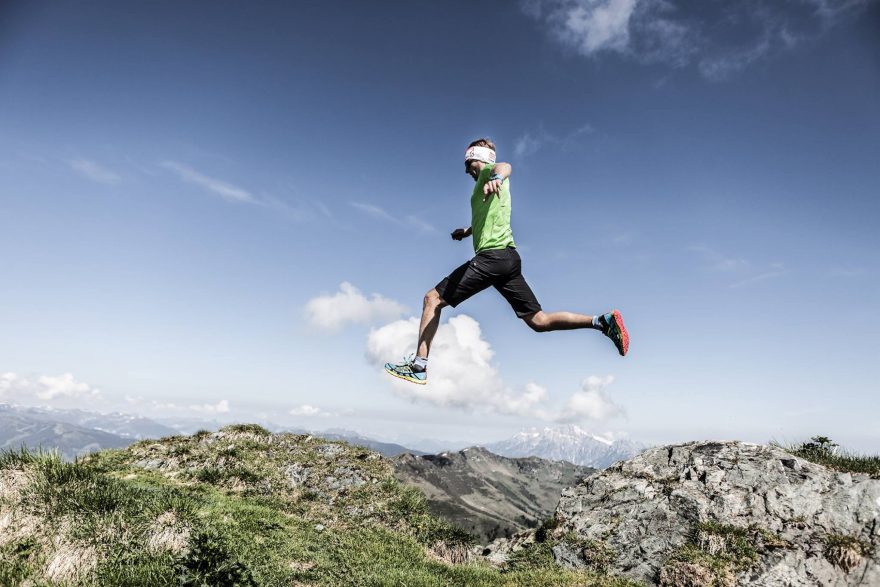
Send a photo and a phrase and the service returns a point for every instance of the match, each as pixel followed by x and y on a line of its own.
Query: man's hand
pixel 492 186
pixel 501 171
pixel 460 233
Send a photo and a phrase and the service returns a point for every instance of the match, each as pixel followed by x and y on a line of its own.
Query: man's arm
pixel 500 172
pixel 460 233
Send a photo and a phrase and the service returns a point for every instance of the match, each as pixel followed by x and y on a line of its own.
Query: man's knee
pixel 537 321
pixel 433 299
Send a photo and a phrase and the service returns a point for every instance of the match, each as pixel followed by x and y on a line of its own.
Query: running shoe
pixel 613 328
pixel 405 370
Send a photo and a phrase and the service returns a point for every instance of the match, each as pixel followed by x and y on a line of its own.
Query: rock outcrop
pixel 723 513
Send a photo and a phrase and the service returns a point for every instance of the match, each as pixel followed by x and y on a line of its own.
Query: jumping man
pixel 496 263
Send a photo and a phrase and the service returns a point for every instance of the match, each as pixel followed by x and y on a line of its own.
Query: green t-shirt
pixel 490 220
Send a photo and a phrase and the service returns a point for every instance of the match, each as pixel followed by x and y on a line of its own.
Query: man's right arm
pixel 460 233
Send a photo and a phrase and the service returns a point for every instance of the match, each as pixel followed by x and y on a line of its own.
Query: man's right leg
pixel 431 307
pixel 458 286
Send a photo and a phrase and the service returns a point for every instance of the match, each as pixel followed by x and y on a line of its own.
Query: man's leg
pixel 610 324
pixel 523 301
pixel 431 307
pixel 542 321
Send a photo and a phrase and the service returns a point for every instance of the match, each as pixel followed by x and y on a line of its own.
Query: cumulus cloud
pixel 330 313
pixel 309 411
pixel 46 389
pixel 227 191
pixel 64 386
pixel 719 38
pixel 93 171
pixel 591 403
pixel 463 375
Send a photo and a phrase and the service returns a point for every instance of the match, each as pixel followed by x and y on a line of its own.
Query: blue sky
pixel 180 182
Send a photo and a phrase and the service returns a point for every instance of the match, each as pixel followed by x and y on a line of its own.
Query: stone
pixel 755 511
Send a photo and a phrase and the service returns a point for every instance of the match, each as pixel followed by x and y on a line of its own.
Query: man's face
pixel 472 167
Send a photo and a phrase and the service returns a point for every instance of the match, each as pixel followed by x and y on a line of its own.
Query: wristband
pixel 495 176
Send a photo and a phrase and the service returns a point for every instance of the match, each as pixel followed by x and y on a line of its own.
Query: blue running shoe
pixel 405 370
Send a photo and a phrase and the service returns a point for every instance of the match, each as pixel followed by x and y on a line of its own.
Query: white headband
pixel 484 154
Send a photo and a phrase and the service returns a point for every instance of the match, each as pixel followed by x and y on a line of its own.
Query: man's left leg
pixel 523 301
pixel 611 325
pixel 542 321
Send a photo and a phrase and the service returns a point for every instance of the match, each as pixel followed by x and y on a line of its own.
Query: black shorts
pixel 500 268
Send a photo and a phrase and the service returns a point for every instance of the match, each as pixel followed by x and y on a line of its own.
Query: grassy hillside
pixel 237 507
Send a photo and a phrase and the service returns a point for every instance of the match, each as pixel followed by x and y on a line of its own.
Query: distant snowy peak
pixel 571 432
pixel 567 443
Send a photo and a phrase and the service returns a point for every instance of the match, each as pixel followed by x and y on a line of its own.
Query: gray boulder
pixel 723 513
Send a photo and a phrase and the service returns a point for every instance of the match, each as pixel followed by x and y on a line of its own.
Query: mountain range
pixel 488 495
pixel 567 443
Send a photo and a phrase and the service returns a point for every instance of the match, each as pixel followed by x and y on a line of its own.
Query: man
pixel 496 263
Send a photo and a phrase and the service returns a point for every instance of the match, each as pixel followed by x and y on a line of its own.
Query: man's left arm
pixel 500 172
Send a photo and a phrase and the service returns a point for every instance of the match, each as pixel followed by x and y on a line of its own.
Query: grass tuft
pixel 822 451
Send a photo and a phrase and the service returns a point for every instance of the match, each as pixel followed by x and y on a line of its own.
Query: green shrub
pixel 210 562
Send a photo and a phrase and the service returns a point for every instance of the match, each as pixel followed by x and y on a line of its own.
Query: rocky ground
pixel 718 513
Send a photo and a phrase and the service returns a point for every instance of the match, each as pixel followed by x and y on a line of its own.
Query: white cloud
pixel 331 312
pixel 529 143
pixel 374 211
pixel 595 25
pixel 227 191
pixel 717 261
pixel 420 224
pixel 532 141
pixel 720 38
pixel 746 272
pixel 773 273
pixel 310 411
pixel 462 374
pixel 642 29
pixel 54 390
pixel 221 407
pixel 591 402
pixel 409 221
pixel 64 386
pixel 94 172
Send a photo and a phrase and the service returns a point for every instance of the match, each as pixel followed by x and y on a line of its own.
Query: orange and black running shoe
pixel 613 328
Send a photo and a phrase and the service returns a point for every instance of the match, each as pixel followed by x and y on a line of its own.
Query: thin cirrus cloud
pixel 380 214
pixel 747 273
pixel 463 376
pixel 719 38
pixel 221 407
pixel 330 313
pixel 775 270
pixel 716 261
pixel 95 172
pixel 532 141
pixel 227 191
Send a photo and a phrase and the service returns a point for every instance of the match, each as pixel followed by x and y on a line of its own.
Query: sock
pixel 420 364
pixel 598 322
